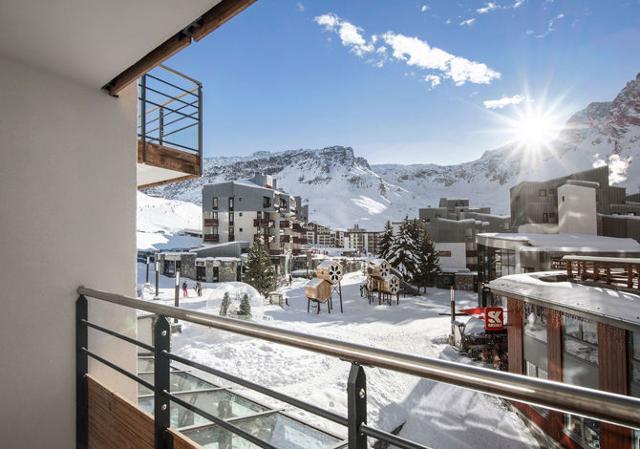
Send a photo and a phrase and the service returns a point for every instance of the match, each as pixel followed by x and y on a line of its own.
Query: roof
pixel 565 242
pixel 550 288
pixel 618 260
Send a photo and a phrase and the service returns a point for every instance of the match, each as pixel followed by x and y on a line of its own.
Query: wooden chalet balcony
pixel 169 128
pixel 212 237
pixel 262 223
pixel 285 223
pixel 211 222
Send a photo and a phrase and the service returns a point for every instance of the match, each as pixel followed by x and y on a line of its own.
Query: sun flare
pixel 534 130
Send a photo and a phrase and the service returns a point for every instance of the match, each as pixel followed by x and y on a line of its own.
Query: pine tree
pixel 224 306
pixel 404 251
pixel 245 307
pixel 386 241
pixel 260 273
pixel 428 263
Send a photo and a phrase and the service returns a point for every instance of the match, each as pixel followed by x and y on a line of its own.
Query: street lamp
pixel 157 277
pixel 177 292
pixel 146 284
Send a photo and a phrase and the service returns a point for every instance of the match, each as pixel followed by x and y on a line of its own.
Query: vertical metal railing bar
pixel 161 125
pixel 200 128
pixel 161 377
pixel 143 115
pixel 82 367
pixel 356 406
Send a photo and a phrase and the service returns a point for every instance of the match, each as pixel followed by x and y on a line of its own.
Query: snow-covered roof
pixel 551 289
pixel 619 260
pixel 565 242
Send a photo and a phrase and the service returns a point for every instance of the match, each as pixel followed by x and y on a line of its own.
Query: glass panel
pixel 584 430
pixel 179 382
pixel 286 433
pixel 535 324
pixel 217 438
pixel 145 365
pixel 220 403
pixel 635 364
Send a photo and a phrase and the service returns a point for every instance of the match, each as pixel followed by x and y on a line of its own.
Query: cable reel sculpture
pixel 380 279
pixel 320 289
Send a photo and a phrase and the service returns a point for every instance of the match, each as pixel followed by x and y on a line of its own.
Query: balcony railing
pixel 262 222
pixel 297 227
pixel 170 111
pixel 595 404
pixel 211 237
pixel 211 222
pixel 285 223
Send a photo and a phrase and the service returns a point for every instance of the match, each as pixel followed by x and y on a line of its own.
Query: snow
pixel 599 301
pixel 436 414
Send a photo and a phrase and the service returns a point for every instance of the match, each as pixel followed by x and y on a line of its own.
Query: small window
pixel 214 215
pixel 231 203
pixel 552 215
pixel 214 202
pixel 545 218
pixel 240 214
pixel 563 198
pixel 231 219
pixel 266 202
pixel 240 229
pixel 542 192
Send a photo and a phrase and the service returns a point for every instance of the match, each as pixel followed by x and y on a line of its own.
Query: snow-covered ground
pixel 438 415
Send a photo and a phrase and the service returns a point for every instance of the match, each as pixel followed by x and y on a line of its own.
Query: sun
pixel 534 129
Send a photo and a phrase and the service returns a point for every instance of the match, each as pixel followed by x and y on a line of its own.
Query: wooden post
pixel 596 271
pixel 569 266
pixel 630 276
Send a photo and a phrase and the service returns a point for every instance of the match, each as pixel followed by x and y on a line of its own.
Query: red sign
pixel 493 317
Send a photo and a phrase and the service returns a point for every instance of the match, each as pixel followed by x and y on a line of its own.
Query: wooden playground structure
pixel 321 288
pixel 382 281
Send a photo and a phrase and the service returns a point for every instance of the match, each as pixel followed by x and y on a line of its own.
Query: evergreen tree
pixel 245 307
pixel 224 306
pixel 386 241
pixel 428 261
pixel 260 273
pixel 404 251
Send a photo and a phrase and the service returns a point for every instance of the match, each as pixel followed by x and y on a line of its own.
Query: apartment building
pixel 576 327
pixel 583 201
pixel 360 240
pixel 252 209
pixel 320 236
pixel 453 226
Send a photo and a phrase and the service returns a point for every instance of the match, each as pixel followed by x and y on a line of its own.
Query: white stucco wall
pixel 577 210
pixel 458 258
pixel 67 217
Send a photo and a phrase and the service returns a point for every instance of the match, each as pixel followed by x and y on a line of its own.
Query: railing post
pixel 200 126
pixel 82 365
pixel 143 116
pixel 162 410
pixel 161 125
pixel 357 406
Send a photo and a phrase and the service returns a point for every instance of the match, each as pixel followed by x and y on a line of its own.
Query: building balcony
pixel 297 227
pixel 262 223
pixel 211 237
pixel 285 238
pixel 211 222
pixel 299 240
pixel 285 223
pixel 169 128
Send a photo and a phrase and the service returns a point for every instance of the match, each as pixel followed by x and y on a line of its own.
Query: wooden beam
pixel 199 28
pixel 152 59
pixel 170 158
pixel 168 181
pixel 218 15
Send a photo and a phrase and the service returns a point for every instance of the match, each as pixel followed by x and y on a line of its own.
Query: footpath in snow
pixel 436 414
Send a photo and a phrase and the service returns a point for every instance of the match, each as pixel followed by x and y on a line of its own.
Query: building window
pixel 214 202
pixel 552 215
pixel 545 218
pixel 634 366
pixel 240 213
pixel 444 253
pixel 580 352
pixel 542 192
pixel 232 218
pixel 563 198
pixel 214 215
pixel 266 202
pixel 231 203
pixel 535 322
pixel 584 430
pixel 240 230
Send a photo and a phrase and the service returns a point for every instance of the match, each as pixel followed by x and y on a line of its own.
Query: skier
pixel 185 292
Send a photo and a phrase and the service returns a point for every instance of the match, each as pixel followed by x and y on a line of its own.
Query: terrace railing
pixel 170 111
pixel 613 408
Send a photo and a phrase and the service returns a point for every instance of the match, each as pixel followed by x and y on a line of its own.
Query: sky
pixel 405 81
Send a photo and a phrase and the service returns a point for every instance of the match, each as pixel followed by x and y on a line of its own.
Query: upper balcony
pixel 169 127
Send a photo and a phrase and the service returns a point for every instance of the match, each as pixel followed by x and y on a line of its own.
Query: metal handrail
pixel 604 406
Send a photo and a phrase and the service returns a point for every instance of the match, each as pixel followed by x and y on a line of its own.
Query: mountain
pixel 343 189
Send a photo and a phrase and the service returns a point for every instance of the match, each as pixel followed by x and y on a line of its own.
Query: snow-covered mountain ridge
pixel 344 189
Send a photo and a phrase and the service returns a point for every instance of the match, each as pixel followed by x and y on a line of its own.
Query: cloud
pixel 487 8
pixel 503 102
pixel 448 21
pixel 468 22
pixel 518 3
pixel 350 35
pixel 435 80
pixel 414 52
pixel 551 26
pixel 300 7
pixel 424 8
pixel 618 167
pixel 418 53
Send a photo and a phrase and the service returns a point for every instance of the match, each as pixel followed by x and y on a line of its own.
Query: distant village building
pixel 204 269
pixel 574 327
pixel 253 209
pixel 582 202
pixel 321 236
pixel 453 226
pixel 361 241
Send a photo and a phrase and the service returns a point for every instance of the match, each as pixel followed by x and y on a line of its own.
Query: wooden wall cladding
pixel 116 423
pixel 514 335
